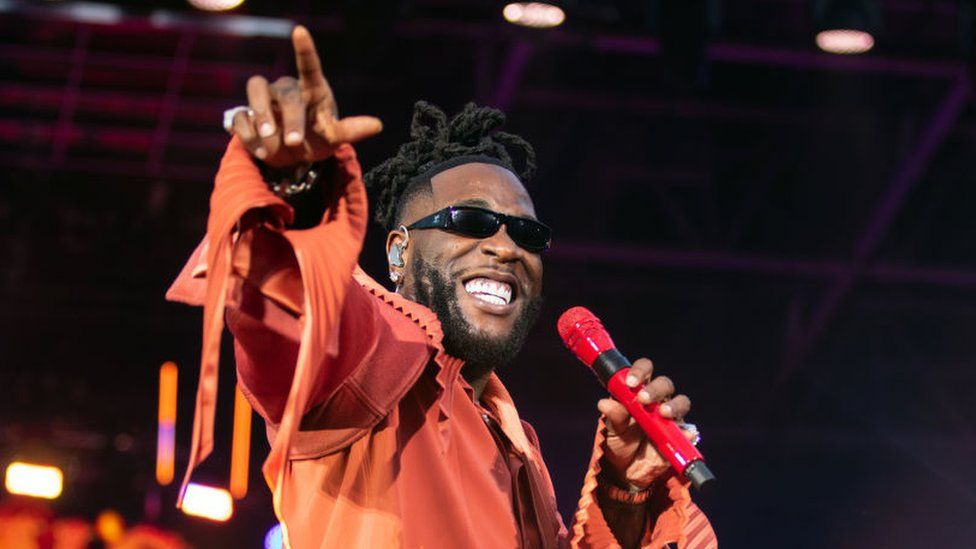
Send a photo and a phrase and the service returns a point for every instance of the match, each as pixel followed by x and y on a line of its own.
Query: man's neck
pixel 477 378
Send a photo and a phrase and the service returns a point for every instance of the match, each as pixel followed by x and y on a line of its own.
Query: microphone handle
pixel 663 432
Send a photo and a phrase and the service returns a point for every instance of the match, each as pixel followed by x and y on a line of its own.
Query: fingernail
pixel 266 129
pixel 261 152
pixel 665 410
pixel 644 397
pixel 632 380
pixel 294 137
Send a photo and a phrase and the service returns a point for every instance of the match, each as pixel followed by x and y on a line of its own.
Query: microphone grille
pixel 583 334
pixel 571 319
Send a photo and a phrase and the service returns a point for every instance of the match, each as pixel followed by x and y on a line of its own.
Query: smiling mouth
pixel 489 291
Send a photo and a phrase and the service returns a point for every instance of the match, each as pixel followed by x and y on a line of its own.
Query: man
pixel 388 425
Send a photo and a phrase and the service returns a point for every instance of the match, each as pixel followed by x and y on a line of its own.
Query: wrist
pixel 288 181
pixel 620 492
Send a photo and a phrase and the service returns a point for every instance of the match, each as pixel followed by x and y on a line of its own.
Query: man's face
pixel 485 291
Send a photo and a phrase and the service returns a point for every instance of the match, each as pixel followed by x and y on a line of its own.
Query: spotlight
pixel 846 27
pixel 39 481
pixel 208 502
pixel 845 41
pixel 215 5
pixel 539 15
pixel 272 540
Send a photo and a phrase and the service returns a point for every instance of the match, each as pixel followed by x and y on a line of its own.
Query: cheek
pixel 533 269
pixel 457 253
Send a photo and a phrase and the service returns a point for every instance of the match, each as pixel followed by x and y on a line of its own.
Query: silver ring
pixel 229 115
pixel 693 429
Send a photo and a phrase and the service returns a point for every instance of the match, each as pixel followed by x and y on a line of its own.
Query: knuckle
pixel 249 139
pixel 286 83
pixel 242 125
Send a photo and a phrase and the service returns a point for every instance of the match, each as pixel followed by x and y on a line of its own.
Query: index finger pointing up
pixel 310 75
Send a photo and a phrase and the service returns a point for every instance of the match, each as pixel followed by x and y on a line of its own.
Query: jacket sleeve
pixel 672 517
pixel 283 292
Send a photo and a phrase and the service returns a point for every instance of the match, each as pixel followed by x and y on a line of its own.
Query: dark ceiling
pixel 788 234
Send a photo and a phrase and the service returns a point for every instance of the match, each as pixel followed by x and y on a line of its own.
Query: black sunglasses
pixel 481 223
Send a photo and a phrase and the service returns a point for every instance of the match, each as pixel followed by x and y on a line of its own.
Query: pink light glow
pixel 845 41
pixel 534 14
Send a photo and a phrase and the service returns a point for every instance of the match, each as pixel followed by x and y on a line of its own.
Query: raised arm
pixel 273 280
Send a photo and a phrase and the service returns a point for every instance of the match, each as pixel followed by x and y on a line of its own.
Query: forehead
pixel 485 185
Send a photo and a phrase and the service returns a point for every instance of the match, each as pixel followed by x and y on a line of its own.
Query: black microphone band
pixel 608 363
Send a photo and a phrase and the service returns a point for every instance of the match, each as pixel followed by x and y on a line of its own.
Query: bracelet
pixel 285 184
pixel 638 497
pixel 631 495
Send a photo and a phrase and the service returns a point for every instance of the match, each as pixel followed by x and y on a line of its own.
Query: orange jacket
pixel 376 439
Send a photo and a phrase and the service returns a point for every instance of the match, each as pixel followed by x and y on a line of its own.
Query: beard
pixel 481 353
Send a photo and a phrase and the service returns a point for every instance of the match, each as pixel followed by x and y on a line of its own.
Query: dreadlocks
pixel 435 139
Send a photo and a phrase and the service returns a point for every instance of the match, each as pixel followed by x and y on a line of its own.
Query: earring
pixel 395 277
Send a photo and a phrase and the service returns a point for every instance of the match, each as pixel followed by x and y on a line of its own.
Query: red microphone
pixel 585 336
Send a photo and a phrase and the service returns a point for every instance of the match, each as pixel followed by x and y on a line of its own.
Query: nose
pixel 501 246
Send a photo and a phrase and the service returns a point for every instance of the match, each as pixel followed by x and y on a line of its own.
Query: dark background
pixel 787 233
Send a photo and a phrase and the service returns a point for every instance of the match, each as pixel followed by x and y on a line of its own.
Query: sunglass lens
pixel 529 234
pixel 475 223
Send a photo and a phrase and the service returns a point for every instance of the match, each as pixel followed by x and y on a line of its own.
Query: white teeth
pixel 491 291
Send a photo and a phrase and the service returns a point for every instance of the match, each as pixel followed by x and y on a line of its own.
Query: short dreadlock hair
pixel 435 139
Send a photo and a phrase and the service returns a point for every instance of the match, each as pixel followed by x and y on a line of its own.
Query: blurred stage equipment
pixel 166 437
pixel 215 5
pixel 240 452
pixel 208 502
pixel 229 24
pixel 39 481
pixel 846 27
pixel 540 15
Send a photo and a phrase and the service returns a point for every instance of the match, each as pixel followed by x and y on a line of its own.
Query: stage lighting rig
pixel 846 27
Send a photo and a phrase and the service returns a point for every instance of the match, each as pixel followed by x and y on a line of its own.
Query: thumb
pixel 618 418
pixel 348 130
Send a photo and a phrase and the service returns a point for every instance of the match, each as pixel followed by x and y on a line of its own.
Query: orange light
pixel 207 502
pixel 39 481
pixel 534 14
pixel 110 526
pixel 240 452
pixel 166 437
pixel 845 41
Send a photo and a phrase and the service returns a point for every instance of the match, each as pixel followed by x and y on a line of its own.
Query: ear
pixel 397 250
pixel 395 238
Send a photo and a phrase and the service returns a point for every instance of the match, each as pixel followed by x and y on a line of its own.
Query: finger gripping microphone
pixel 585 336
